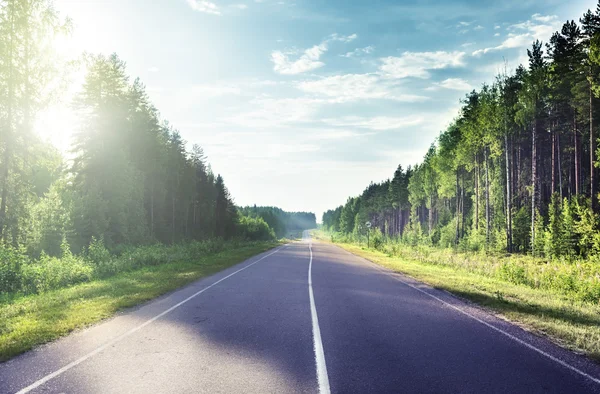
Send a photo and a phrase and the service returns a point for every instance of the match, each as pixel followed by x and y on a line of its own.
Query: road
pixel 266 326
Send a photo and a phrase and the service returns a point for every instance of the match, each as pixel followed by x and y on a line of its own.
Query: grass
pixel 28 321
pixel 567 321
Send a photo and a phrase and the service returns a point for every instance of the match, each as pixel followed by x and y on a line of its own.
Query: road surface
pixel 305 317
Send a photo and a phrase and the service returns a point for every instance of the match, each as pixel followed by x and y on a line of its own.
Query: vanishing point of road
pixel 304 317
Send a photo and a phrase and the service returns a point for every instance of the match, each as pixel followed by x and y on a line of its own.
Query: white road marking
pixel 133 330
pixel 499 330
pixel 322 377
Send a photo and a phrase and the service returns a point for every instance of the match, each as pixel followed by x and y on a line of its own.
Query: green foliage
pixel 12 262
pixel 556 245
pixel 97 253
pixel 280 221
pixel 448 235
pixel 376 239
pixel 254 229
pixel 19 274
pixel 49 273
pixel 539 242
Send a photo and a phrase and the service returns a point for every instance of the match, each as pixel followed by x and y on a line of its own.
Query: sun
pixel 57 125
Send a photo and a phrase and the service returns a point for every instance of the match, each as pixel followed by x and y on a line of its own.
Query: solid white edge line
pixel 133 330
pixel 499 330
pixel 322 377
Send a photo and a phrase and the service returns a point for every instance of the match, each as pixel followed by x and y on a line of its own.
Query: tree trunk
pixel 430 214
pixel 553 158
pixel 457 208
pixel 462 206
pixel 518 184
pixel 152 211
pixel 173 220
pixel 508 197
pixel 560 183
pixel 576 156
pixel 477 192
pixel 592 153
pixel 487 197
pixel 533 183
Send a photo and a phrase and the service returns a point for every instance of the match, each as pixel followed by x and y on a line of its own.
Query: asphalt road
pixel 263 327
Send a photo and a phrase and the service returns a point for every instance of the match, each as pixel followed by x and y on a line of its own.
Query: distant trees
pixel 513 172
pixel 280 221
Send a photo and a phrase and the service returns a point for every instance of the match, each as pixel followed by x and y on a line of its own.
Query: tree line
pixel 516 171
pixel 129 178
pixel 280 221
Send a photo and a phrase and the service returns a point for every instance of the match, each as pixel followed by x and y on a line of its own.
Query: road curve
pixel 259 327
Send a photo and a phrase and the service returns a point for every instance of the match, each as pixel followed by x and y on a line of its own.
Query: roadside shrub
pixel 376 238
pixel 11 265
pixel 255 229
pixel 97 252
pixel 448 234
pixel 475 241
pixel 513 272
pixel 51 273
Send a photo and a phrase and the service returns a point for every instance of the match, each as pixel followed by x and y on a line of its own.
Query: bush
pixel 448 234
pixel 255 229
pixel 11 265
pixel 376 239
pixel 513 272
pixel 97 252
pixel 51 273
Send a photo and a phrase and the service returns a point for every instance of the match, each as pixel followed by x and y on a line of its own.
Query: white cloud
pixel 496 27
pixel 352 87
pixel 417 64
pixel 153 69
pixel 359 52
pixel 463 24
pixel 239 6
pixel 310 58
pixel 544 18
pixel 337 37
pixel 307 62
pixel 497 35
pixel 513 41
pixel 539 27
pixel 377 123
pixel 454 84
pixel 478 27
pixel 467 44
pixel 204 6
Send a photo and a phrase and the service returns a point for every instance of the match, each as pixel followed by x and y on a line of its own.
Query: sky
pixel 302 103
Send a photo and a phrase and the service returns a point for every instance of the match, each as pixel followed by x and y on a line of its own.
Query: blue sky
pixel 300 104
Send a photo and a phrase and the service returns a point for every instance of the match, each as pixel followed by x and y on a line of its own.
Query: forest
pixel 515 171
pixel 129 180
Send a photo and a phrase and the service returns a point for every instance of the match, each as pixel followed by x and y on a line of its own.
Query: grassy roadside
pixel 35 319
pixel 568 322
